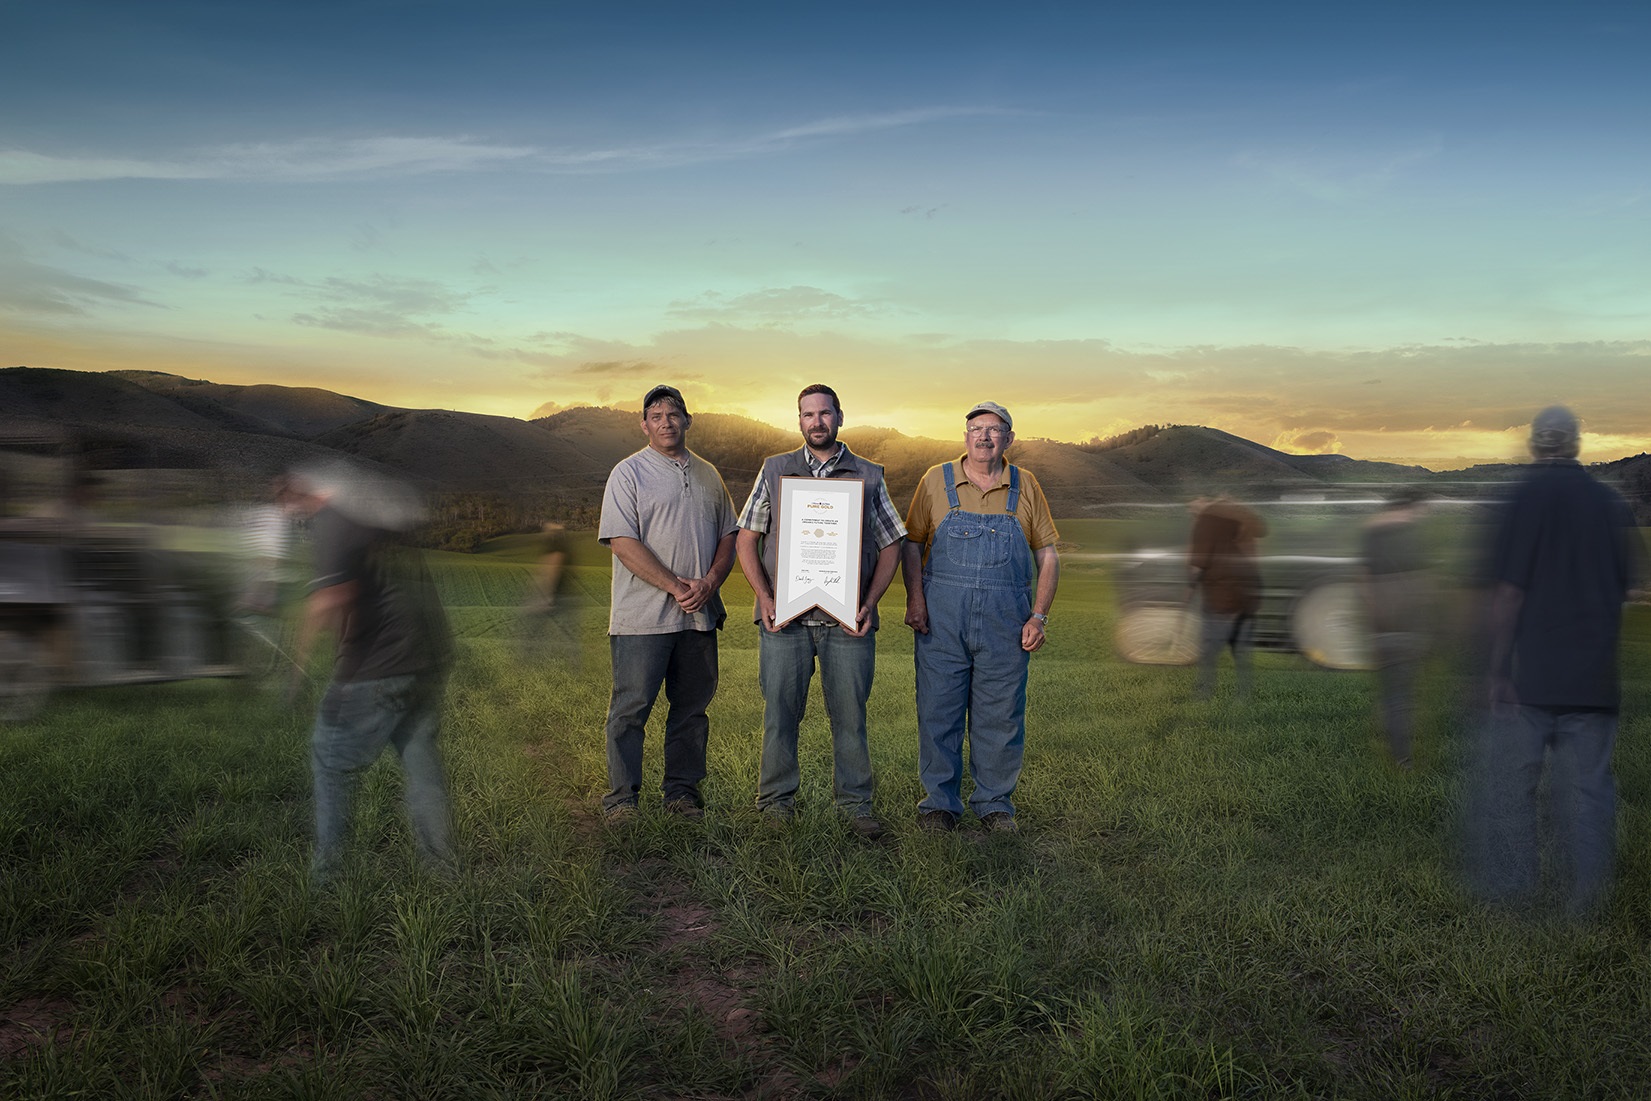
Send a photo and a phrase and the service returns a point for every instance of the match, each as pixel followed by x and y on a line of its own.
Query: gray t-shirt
pixel 680 512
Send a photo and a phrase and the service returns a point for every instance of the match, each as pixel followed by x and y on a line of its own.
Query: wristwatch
pixel 1041 618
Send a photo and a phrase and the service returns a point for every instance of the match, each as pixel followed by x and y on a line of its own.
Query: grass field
pixel 1205 901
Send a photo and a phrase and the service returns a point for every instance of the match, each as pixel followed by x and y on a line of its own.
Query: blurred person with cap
pixel 846 652
pixel 979 601
pixel 374 593
pixel 1562 561
pixel 670 524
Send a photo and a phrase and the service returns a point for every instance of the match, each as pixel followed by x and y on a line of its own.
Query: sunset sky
pixel 1392 230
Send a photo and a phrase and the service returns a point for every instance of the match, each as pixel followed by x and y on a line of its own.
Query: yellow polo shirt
pixel 929 505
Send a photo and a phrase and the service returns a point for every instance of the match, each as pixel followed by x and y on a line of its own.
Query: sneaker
pixel 686 809
pixel 866 827
pixel 1000 821
pixel 777 816
pixel 937 821
pixel 620 815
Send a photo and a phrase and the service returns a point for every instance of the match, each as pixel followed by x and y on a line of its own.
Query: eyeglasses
pixel 996 431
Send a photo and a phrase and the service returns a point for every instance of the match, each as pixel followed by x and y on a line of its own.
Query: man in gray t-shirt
pixel 670 523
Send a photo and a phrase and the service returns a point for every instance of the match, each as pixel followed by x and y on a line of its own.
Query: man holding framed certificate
pixel 819 541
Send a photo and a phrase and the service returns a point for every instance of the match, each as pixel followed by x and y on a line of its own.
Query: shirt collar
pixel 963 475
pixel 683 464
pixel 817 467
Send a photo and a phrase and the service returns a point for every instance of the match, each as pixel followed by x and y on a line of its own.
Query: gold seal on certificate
pixel 819 525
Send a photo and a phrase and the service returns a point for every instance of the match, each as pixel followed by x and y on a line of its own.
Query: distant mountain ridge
pixel 246 433
pixel 297 412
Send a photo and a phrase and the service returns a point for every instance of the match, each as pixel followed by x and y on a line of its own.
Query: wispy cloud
pixel 307 160
pixel 1341 176
pixel 845 125
pixel 773 306
pixel 318 159
pixel 71 244
pixel 30 287
pixel 615 368
pixel 1315 442
pixel 379 305
pixel 677 151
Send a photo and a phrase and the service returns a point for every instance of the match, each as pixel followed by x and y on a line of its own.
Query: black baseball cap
pixel 663 391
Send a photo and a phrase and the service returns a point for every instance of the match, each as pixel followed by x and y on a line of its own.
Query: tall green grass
pixel 1207 900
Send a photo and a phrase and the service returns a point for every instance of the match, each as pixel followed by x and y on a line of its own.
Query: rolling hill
pixel 150 419
pixel 297 412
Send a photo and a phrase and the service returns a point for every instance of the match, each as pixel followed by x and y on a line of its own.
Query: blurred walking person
pixel 1398 593
pixel 375 595
pixel 550 612
pixel 669 522
pixel 1227 581
pixel 1562 562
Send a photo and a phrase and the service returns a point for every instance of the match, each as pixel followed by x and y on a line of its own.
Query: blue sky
pixel 1391 230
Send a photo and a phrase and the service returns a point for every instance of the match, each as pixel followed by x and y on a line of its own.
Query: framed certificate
pixel 818 523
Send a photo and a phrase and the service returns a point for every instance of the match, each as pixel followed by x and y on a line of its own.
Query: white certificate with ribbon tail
pixel 818 523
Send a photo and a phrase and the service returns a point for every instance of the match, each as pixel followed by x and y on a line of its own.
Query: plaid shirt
pixel 758 513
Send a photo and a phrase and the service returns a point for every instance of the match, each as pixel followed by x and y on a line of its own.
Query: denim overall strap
pixel 1014 490
pixel 951 488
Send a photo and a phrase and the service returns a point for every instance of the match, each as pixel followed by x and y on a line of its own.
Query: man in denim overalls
pixel 990 538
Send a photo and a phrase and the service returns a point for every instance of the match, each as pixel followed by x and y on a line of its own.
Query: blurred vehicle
pixel 1312 602
pixel 86 600
pixel 1309 603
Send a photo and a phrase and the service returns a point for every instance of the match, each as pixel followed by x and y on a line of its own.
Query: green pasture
pixel 1207 899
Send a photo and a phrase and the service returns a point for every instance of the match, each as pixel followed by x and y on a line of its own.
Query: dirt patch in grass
pixel 232 1066
pixel 33 1023
pixel 151 873
pixel 834 1075
pixel 683 924
pixel 686 926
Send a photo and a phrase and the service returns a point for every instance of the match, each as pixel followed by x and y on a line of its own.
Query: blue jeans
pixel 846 666
pixel 1398 657
pixel 1577 747
pixel 685 663
pixel 1229 629
pixel 355 722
